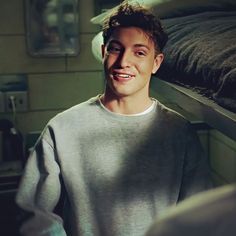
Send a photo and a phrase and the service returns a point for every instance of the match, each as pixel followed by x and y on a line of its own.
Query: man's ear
pixel 157 62
pixel 103 50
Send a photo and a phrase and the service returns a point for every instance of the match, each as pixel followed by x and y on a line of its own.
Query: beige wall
pixel 54 84
pixel 222 154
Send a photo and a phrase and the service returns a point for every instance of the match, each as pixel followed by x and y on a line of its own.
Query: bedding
pixel 201 51
pixel 201 54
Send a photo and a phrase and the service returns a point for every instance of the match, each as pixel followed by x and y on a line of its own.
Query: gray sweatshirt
pixel 98 173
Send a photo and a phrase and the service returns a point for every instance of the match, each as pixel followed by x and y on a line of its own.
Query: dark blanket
pixel 201 54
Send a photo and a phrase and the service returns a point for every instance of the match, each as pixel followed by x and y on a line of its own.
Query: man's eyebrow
pixel 138 45
pixel 114 41
pixel 141 45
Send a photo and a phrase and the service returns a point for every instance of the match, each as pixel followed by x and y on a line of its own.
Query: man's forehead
pixel 133 35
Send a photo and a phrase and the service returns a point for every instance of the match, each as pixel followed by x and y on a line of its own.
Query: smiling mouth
pixel 122 77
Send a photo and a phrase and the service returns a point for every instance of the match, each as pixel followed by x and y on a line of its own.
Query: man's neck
pixel 126 105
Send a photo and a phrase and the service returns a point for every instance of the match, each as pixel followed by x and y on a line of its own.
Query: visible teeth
pixel 124 76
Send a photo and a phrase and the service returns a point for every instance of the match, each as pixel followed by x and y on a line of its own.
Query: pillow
pixel 175 8
pixel 148 3
pixel 96 46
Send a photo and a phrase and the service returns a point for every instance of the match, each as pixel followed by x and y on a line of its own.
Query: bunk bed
pixel 199 70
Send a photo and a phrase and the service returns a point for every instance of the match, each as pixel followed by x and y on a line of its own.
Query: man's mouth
pixel 122 77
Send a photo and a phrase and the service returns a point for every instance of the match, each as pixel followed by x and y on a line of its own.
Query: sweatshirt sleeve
pixel 39 191
pixel 196 170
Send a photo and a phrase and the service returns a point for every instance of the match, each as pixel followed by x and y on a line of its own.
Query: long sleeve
pixel 39 191
pixel 196 171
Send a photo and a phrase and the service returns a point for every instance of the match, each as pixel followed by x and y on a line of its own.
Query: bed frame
pixel 203 108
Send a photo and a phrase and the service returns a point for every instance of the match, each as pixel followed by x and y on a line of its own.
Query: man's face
pixel 129 60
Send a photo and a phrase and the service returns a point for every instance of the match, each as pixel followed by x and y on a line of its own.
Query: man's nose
pixel 125 59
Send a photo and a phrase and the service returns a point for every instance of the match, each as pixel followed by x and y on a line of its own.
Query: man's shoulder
pixel 76 112
pixel 170 115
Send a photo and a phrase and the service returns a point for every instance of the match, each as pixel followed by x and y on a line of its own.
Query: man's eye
pixel 141 53
pixel 113 49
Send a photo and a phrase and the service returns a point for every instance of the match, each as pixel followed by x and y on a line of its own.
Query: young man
pixel 119 159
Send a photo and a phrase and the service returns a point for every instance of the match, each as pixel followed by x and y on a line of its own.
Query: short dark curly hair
pixel 135 15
